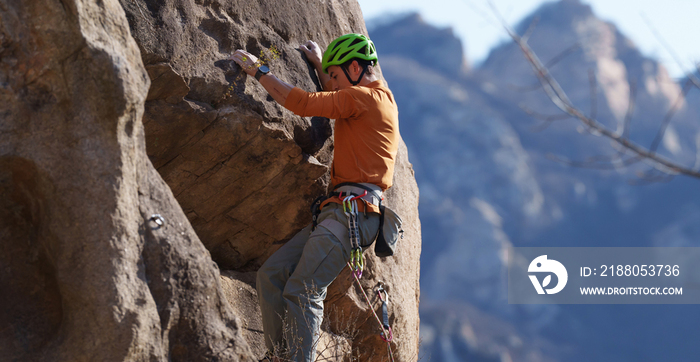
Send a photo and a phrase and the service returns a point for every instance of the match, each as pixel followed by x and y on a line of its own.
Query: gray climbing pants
pixel 292 283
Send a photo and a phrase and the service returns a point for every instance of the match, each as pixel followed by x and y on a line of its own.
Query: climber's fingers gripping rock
pixel 312 51
pixel 247 61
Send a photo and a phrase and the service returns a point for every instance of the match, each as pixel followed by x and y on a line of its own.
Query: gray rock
pixel 87 274
pixel 244 169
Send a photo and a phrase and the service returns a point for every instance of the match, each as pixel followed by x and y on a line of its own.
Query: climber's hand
pixel 247 61
pixel 312 52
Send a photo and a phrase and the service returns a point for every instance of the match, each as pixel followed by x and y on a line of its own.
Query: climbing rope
pixel 357 264
pixel 387 335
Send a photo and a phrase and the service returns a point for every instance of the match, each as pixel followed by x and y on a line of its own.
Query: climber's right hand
pixel 313 52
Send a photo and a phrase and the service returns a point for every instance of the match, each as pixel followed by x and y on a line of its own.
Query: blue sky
pixel 473 21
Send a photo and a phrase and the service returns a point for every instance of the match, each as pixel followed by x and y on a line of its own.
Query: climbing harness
pixel 357 261
pixel 349 201
pixel 316 210
pixel 387 335
pixel 369 194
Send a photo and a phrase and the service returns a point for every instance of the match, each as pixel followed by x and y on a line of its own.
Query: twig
pixel 531 28
pixel 560 99
pixel 551 63
pixel 696 166
pixel 611 162
pixel 546 119
pixel 671 112
pixel 140 11
pixel 484 15
pixel 646 178
pixel 565 53
pixel 670 50
pixel 630 109
pixel 594 93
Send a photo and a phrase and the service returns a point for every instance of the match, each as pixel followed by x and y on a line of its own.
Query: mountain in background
pixel 486 184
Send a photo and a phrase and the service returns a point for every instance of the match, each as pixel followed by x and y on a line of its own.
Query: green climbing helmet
pixel 348 47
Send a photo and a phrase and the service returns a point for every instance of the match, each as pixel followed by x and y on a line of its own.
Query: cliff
pixel 113 113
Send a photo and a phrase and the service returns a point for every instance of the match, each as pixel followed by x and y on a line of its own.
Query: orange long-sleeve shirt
pixel 366 136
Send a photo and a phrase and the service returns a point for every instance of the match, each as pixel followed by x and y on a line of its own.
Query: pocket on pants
pixel 322 261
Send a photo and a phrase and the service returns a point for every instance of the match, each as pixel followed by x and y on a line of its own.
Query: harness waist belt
pixel 374 196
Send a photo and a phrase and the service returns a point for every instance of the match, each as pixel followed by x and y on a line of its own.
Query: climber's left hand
pixel 247 61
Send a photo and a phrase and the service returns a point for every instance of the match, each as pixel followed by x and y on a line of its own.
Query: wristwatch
pixel 262 70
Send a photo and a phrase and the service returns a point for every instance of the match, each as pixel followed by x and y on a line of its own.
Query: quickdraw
pixel 357 261
pixel 356 265
pixel 387 335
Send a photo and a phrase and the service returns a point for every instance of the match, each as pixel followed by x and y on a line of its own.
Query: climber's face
pixel 339 80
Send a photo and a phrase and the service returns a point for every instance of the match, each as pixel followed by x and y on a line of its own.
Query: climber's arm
pixel 278 89
pixel 322 104
pixel 314 56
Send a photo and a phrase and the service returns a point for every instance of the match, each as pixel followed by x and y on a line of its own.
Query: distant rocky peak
pixel 409 36
pixel 561 14
pixel 560 24
pixel 570 32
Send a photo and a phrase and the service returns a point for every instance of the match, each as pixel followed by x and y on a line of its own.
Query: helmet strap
pixel 354 82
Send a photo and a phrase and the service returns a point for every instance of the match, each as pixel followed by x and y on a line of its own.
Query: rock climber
pixel 292 283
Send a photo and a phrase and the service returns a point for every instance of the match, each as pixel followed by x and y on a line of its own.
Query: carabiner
pixel 386 294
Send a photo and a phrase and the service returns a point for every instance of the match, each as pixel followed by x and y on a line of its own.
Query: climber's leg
pixel 321 262
pixel 324 257
pixel 271 279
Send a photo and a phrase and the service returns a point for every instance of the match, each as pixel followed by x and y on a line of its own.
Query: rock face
pixel 244 169
pixel 86 274
pixel 108 252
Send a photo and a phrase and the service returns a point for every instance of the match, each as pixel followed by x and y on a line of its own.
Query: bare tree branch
pixel 560 99
pixel 531 28
pixel 484 14
pixel 551 63
pixel 690 74
pixel 696 166
pixel 649 177
pixel 594 93
pixel 671 112
pixel 546 120
pixel 630 110
pixel 565 53
pixel 601 162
